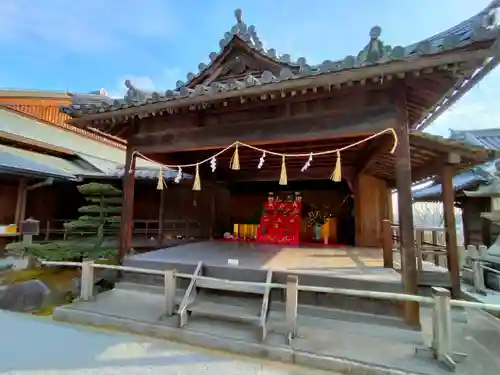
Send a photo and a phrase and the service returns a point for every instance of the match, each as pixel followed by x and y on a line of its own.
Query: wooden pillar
pixel 161 217
pixel 128 204
pixel 448 198
pixel 405 209
pixel 212 210
pixel 21 202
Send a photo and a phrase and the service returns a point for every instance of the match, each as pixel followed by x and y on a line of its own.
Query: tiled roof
pixel 489 138
pixel 461 181
pixel 479 27
pixel 484 138
pixel 52 115
pixel 103 155
pixel 18 161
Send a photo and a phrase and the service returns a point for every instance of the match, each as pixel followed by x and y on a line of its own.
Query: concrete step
pixel 222 285
pixel 144 288
pixel 228 307
pixel 252 303
pixel 213 309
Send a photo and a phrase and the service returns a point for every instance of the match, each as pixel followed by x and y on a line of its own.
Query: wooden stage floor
pixel 352 262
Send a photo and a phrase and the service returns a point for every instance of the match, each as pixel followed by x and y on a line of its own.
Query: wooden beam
pixel 448 198
pixel 128 204
pixel 405 210
pixel 378 147
pixel 312 173
pixel 454 94
pixel 295 130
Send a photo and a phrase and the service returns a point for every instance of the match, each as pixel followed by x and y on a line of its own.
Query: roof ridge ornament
pixel 238 13
pixel 374 50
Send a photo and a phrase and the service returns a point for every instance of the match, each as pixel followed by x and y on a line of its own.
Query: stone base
pixel 280 353
pixel 329 344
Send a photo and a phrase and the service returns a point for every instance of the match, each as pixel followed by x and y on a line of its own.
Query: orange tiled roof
pixel 44 106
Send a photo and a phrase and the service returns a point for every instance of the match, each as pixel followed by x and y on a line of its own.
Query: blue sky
pixel 86 45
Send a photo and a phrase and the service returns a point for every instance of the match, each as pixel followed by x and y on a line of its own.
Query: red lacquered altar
pixel 280 222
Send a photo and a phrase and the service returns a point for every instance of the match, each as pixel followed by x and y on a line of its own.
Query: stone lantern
pixel 491 191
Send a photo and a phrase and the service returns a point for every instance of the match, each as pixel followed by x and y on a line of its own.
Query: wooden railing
pixel 53 229
pixel 442 343
pixel 430 244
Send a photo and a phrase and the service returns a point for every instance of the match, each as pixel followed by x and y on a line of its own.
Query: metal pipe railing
pixel 441 347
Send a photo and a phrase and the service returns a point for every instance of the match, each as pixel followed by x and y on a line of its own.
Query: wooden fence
pixel 430 244
pixel 54 229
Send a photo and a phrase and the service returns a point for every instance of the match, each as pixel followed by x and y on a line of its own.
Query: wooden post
pixel 418 248
pixel 448 198
pixel 20 202
pixel 405 209
pixel 170 289
pixel 387 244
pixel 128 204
pixel 212 210
pixel 292 293
pixel 435 246
pixel 87 281
pixel 161 218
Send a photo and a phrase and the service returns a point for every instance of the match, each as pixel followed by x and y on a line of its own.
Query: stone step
pixel 213 309
pixel 277 307
pixel 144 288
pixel 222 285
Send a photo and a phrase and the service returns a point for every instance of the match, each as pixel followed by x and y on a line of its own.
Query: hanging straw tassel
pixel 235 160
pixel 283 176
pixel 337 172
pixel 161 182
pixel 197 183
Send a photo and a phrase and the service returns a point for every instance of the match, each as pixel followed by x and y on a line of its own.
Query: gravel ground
pixel 32 345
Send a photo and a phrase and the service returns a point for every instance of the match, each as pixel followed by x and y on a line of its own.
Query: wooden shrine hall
pixel 253 120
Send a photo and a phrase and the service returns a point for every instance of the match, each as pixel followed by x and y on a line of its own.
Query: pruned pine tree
pixel 92 236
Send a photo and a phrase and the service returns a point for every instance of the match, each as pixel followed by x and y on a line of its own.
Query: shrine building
pixel 298 153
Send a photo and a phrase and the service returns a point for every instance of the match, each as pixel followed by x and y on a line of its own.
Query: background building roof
pixel 487 138
pixel 85 156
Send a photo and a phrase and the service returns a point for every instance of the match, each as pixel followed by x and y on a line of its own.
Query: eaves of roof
pixel 462 181
pixel 451 145
pixel 489 138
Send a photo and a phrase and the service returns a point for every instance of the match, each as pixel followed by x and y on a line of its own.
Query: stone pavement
pixel 33 345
